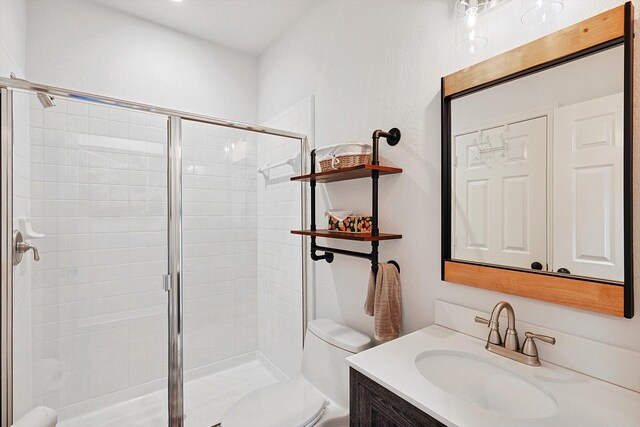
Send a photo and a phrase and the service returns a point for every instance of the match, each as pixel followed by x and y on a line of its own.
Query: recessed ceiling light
pixel 177 1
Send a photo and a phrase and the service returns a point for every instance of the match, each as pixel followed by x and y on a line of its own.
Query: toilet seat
pixel 292 403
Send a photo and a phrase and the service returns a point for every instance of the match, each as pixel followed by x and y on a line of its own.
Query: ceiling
pixel 249 26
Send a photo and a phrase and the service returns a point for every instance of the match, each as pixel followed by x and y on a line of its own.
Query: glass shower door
pixel 95 195
pixel 242 267
pixel 220 270
pixel 90 315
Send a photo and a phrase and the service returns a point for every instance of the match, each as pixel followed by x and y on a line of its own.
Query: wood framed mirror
pixel 537 168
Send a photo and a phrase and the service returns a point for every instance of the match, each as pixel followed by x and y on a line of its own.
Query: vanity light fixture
pixel 471 24
pixel 540 11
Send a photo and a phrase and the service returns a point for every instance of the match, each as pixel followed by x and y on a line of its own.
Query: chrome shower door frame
pixel 6 256
pixel 175 249
pixel 175 313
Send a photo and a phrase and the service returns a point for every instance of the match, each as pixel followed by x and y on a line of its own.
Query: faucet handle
pixel 494 334
pixel 529 347
pixel 545 338
pixel 482 320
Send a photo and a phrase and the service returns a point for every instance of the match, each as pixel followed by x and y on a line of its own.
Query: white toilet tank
pixel 327 345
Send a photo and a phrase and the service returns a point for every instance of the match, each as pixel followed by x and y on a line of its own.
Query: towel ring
pixel 394 263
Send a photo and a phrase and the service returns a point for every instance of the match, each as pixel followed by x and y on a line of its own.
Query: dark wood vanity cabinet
pixel 374 406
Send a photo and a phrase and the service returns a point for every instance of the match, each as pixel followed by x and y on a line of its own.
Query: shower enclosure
pixel 158 281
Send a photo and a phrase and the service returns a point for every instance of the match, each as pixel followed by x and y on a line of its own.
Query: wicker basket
pixel 342 162
pixel 342 156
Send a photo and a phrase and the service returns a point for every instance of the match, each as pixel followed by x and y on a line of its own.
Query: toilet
pixel 318 397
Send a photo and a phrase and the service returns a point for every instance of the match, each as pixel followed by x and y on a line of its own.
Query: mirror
pixel 536 168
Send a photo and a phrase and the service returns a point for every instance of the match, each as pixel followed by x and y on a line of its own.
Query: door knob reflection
pixel 536 265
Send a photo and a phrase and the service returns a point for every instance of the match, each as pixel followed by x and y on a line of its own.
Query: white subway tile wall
pixel 98 193
pixel 279 252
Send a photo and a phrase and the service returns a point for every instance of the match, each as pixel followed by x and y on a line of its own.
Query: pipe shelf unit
pixel 374 171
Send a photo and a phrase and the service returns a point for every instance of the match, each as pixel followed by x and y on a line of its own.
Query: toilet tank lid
pixel 339 335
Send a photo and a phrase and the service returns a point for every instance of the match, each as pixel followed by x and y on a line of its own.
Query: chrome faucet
pixel 511 347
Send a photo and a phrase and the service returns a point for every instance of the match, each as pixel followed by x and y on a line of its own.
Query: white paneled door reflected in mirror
pixel 537 170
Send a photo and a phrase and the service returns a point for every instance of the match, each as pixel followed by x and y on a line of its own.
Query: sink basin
pixel 481 383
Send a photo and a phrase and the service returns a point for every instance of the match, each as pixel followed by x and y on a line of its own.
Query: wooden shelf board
pixel 356 172
pixel 362 237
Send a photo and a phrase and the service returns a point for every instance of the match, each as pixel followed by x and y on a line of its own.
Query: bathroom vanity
pixel 439 376
pixel 374 405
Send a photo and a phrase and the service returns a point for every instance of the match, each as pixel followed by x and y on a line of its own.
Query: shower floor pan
pixel 206 399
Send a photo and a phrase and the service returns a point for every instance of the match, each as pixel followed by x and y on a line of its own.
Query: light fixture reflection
pixel 540 11
pixel 472 17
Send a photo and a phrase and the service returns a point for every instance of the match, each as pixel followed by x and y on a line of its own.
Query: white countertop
pixel 583 401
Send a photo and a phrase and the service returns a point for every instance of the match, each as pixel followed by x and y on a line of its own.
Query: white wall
pixel 13 26
pixel 81 45
pixel 380 66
